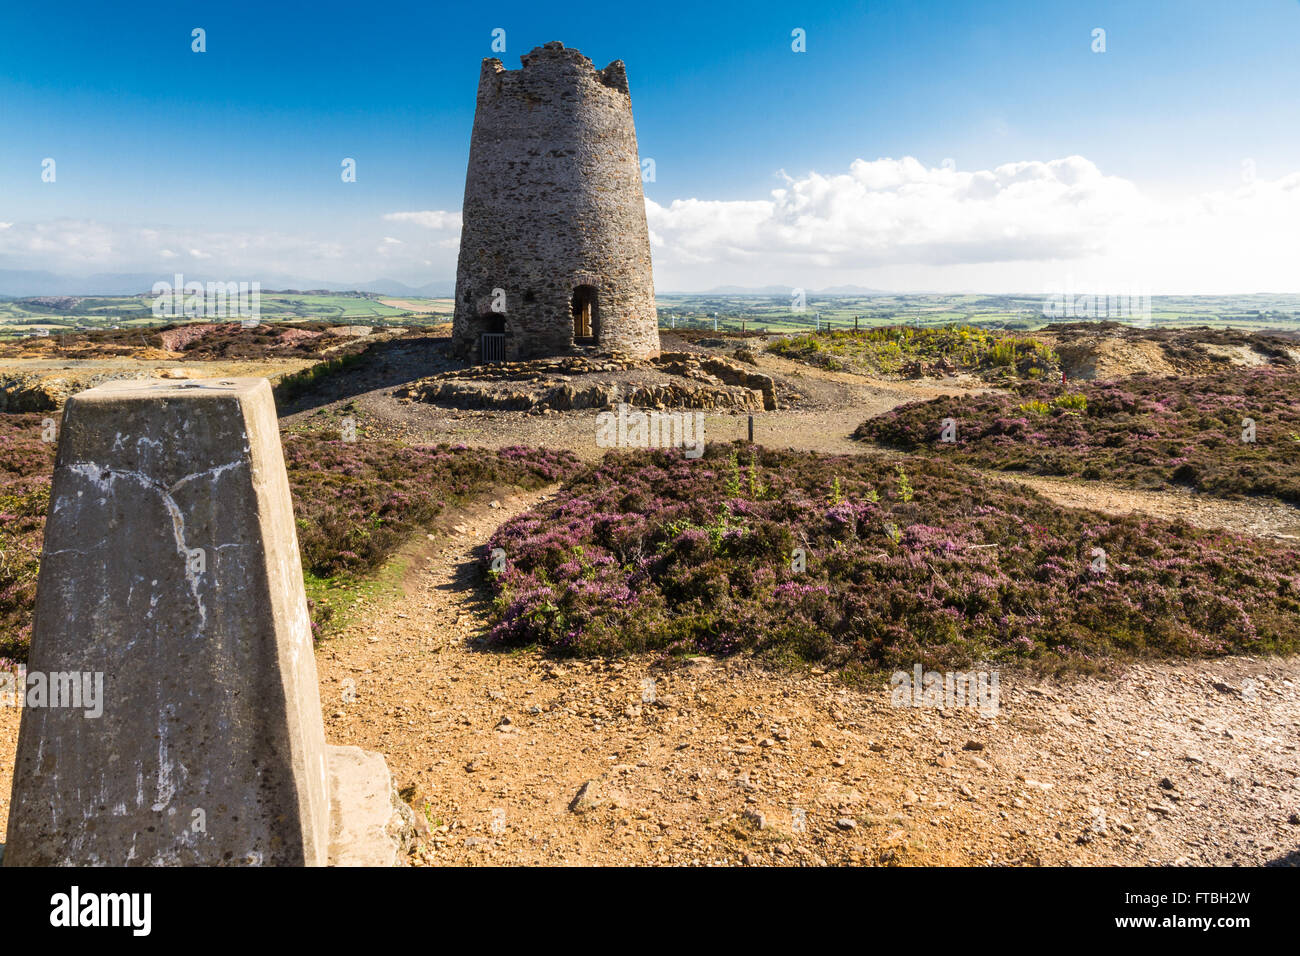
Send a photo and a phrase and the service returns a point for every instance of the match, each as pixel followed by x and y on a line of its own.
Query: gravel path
pixel 1259 517
pixel 515 758
pixel 724 762
pixel 518 759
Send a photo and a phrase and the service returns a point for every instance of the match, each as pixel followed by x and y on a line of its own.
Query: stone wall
pixel 670 380
pixel 553 201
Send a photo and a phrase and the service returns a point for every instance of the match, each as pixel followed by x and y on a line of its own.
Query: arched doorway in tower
pixel 586 315
pixel 492 339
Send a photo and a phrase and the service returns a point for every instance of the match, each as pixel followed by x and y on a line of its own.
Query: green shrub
pixel 887 349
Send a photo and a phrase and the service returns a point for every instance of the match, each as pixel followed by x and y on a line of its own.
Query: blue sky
pixel 241 144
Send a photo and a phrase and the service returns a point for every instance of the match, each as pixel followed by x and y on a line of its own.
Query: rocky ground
pixel 830 405
pixel 520 759
pixel 1258 517
pixel 669 380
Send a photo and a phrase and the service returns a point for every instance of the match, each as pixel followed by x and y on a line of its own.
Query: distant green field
pixel 18 316
pixel 774 313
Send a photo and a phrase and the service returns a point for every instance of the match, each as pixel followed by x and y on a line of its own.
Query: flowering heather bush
pixel 1147 431
pixel 26 465
pixel 220 340
pixel 889 348
pixel 650 550
pixel 356 502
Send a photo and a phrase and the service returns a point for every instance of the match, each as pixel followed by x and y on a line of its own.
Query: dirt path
pixel 841 402
pixel 1257 517
pixel 833 405
pixel 723 762
pixel 726 762
pixel 1260 518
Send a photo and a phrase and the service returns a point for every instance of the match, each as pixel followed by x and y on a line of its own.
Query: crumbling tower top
pixel 554 56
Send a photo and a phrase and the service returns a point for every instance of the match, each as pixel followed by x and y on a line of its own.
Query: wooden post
pixel 751 429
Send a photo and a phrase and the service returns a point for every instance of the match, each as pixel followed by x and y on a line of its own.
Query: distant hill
pixel 18 283
pixel 851 290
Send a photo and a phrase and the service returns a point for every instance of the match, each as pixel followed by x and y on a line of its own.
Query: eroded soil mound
pixel 1109 350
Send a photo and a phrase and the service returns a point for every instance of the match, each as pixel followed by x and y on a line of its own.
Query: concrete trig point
pixel 171 567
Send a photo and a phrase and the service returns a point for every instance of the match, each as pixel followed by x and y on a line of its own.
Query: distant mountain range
pixel 16 284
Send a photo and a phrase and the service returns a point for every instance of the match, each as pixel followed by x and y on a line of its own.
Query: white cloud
pixel 892 224
pixel 78 247
pixel 430 219
pixel 1019 227
pixel 898 211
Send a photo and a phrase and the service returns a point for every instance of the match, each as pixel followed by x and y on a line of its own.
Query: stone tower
pixel 554 249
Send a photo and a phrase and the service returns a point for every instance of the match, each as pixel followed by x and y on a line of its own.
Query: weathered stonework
pixel 671 380
pixel 171 575
pixel 554 215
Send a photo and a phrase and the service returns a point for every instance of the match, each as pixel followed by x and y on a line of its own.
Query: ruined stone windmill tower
pixel 554 249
